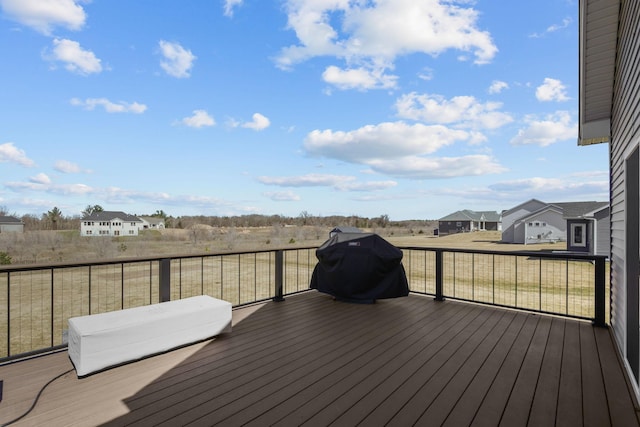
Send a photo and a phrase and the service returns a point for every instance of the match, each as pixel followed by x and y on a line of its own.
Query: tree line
pixel 55 219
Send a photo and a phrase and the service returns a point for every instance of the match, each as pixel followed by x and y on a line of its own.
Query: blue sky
pixel 409 108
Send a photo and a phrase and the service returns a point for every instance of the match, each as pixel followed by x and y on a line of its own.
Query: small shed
pixel 344 229
pixel 11 224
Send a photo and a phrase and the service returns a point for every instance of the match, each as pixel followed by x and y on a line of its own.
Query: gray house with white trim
pixel 467 220
pixel 577 223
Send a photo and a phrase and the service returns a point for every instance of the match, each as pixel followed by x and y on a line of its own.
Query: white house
pixel 151 223
pixel 110 223
pixel 609 112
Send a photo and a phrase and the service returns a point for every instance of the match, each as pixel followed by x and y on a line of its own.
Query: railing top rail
pixel 533 254
pixel 47 266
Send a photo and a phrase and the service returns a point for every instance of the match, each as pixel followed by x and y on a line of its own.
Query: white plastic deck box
pixel 103 340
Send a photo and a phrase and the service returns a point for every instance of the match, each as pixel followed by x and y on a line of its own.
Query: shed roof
pixel 579 209
pixel 346 229
pixel 9 220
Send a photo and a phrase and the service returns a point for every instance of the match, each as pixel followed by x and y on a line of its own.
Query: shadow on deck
pixel 314 361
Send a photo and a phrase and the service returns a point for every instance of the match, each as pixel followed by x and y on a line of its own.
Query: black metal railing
pixel 565 284
pixel 37 301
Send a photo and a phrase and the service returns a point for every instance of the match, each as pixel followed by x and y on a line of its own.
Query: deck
pixel 313 361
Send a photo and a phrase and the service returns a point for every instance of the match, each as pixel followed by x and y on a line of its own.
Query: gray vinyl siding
pixel 625 125
pixel 602 226
pixel 554 228
pixel 512 231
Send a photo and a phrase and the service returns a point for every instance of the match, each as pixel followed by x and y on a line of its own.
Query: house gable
pixel 512 232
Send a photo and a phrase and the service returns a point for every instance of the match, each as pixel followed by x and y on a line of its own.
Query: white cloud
pixel 551 90
pixel 229 5
pixel 282 196
pixel 426 74
pixel 402 150
pixel 416 167
pixel 366 186
pixel 382 141
pixel 109 107
pixel 177 60
pixel 9 153
pixel 566 22
pixel 358 78
pixel 461 111
pixel 337 182
pixel 498 86
pixel 563 188
pixel 309 180
pixel 47 186
pixel 370 35
pixel 41 178
pixel 44 15
pixel 76 59
pixel 259 122
pixel 65 166
pixel 199 118
pixel 546 131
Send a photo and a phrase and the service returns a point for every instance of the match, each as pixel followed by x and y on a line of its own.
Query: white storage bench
pixel 103 340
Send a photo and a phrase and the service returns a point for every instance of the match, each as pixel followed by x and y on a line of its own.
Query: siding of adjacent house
pixel 625 138
pixel 551 227
pixel 512 230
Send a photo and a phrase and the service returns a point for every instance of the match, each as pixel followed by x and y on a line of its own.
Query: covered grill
pixel 359 267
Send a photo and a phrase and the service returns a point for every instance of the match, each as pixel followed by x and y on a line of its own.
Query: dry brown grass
pixel 478 240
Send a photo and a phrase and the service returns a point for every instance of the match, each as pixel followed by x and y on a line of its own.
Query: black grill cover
pixel 359 267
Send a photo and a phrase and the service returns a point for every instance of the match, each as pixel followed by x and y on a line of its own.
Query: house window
pixel 88 232
pixel 530 224
pixel 116 233
pixel 578 235
pixel 537 224
pixel 458 224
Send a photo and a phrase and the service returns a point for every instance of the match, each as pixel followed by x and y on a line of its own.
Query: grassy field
pixel 42 247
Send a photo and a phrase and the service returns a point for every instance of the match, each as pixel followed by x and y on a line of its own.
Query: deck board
pixel 569 410
pixel 314 361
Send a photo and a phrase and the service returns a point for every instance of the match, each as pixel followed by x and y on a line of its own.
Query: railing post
pixel 600 299
pixel 279 276
pixel 439 295
pixel 165 279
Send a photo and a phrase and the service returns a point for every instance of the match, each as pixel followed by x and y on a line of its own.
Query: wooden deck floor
pixel 314 361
